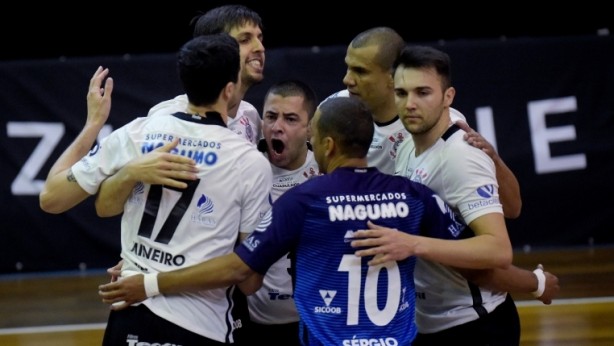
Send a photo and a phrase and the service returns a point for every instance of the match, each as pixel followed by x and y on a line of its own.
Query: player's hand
pixel 99 98
pixel 123 292
pixel 551 289
pixel 384 243
pixel 161 167
pixel 115 271
pixel 475 139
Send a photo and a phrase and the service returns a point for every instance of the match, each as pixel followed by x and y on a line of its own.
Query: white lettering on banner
pixel 50 134
pixel 486 125
pixel 541 135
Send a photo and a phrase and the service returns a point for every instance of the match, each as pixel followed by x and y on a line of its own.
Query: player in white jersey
pixel 388 136
pixel 240 22
pixel 165 228
pixel 245 26
pixel 288 107
pixel 449 307
pixel 369 60
pixel 245 122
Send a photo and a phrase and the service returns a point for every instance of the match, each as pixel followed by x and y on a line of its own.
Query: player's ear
pixel 329 146
pixel 229 90
pixel 449 96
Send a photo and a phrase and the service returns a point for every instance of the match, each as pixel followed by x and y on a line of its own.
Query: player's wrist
pixel 150 282
pixel 541 282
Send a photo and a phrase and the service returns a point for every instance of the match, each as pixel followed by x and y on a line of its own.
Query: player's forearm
pixel 509 189
pixel 511 279
pixel 60 193
pixel 218 272
pixel 114 193
pixel 76 150
pixel 479 252
pixel 251 284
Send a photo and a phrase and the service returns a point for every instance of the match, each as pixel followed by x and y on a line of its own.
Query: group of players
pixel 219 202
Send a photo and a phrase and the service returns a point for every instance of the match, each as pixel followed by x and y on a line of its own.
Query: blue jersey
pixel 342 300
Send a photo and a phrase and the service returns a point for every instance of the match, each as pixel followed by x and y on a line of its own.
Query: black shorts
pixel 501 327
pixel 137 324
pixel 273 334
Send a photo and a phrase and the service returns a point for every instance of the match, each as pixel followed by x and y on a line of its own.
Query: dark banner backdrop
pixel 547 104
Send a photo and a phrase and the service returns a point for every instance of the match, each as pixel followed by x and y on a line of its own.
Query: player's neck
pixel 234 109
pixel 202 110
pixel 424 141
pixel 298 162
pixel 346 162
pixel 385 113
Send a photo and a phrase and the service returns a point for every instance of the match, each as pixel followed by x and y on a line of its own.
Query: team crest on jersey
pixel 249 132
pixel 397 139
pixel 310 173
pixel 420 175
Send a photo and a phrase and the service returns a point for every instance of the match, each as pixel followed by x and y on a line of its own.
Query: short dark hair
pixel 388 41
pixel 349 122
pixel 415 56
pixel 206 64
pixel 223 19
pixel 294 87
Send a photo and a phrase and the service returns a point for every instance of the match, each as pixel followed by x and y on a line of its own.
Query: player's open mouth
pixel 278 146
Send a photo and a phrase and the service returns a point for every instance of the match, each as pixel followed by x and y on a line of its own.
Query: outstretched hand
pixel 99 98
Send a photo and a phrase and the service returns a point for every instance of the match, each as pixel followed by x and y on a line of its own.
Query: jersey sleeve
pixel 256 181
pixel 469 180
pixel 106 158
pixel 277 234
pixel 177 104
pixel 439 220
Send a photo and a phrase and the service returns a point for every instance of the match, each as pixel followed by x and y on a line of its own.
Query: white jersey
pixel 163 229
pixel 246 123
pixel 387 138
pixel 273 303
pixel 465 178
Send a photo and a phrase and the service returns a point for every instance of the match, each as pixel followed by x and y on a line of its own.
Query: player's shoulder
pixel 456 115
pixel 246 108
pixel 177 104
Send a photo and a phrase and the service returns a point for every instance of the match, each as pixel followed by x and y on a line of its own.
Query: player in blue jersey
pixel 340 298
pixel 165 228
